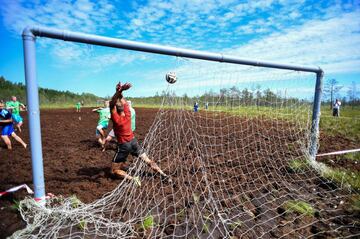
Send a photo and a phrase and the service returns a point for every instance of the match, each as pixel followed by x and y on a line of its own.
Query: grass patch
pixel 299 165
pixel 300 207
pixel 355 203
pixel 148 222
pixel 235 225
pixel 352 156
pixel 15 206
pixel 82 225
pixel 196 198
pixel 347 125
pixel 343 177
pixel 205 228
pixel 75 202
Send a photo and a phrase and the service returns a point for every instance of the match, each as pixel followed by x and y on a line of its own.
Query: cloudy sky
pixel 322 33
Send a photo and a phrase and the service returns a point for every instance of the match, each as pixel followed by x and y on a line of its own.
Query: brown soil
pixel 330 144
pixel 74 164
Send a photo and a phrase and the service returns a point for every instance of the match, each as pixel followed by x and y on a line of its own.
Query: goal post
pixel 29 37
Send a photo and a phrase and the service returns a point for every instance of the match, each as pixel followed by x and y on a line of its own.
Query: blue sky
pixel 319 33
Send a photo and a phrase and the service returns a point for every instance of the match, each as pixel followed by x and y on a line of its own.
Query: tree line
pixel 234 96
pixel 230 97
pixel 46 96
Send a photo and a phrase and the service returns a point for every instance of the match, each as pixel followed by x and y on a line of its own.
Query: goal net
pixel 235 143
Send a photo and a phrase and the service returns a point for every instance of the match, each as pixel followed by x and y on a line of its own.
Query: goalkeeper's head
pixel 119 105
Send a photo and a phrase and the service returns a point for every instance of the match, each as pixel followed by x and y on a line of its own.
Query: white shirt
pixel 337 105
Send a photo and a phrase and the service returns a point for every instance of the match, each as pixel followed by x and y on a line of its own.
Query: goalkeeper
pixel 111 134
pixel 127 143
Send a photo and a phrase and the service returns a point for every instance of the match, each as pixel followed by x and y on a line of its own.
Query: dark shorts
pixel 335 112
pixel 7 130
pixel 124 149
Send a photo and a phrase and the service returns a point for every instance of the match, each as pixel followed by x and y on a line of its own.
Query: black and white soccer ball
pixel 171 77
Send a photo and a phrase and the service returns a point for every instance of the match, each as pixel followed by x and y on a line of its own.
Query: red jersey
pixel 122 125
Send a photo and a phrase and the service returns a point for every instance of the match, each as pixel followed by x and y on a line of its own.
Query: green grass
pixel 196 198
pixel 75 202
pixel 16 205
pixel 352 156
pixel 300 207
pixel 347 125
pixel 343 177
pixel 82 225
pixel 355 203
pixel 235 225
pixel 205 228
pixel 299 165
pixel 148 222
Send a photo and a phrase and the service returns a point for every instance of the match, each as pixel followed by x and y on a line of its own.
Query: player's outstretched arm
pixel 118 94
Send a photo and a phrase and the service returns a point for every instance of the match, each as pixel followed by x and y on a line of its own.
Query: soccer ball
pixel 171 77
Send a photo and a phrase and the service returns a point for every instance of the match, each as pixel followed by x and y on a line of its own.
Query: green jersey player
pixel 14 105
pixel 103 123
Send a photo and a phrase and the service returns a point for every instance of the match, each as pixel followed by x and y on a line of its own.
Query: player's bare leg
pixel 101 138
pixel 106 140
pixel 104 143
pixel 17 138
pixel 154 166
pixel 18 126
pixel 117 169
pixel 7 141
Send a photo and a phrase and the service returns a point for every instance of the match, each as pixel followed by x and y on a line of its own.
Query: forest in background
pixel 48 97
pixel 232 97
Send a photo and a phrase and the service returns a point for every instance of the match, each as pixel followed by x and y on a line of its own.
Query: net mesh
pixel 239 167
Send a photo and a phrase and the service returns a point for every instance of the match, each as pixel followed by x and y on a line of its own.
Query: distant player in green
pixel 15 107
pixel 103 123
pixel 111 134
pixel 78 106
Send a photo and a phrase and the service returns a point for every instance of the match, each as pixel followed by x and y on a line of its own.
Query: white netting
pixel 239 167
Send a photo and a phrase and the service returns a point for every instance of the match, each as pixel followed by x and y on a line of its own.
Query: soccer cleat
pixel 137 181
pixel 166 178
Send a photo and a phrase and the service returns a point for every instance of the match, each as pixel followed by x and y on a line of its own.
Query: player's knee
pixel 118 167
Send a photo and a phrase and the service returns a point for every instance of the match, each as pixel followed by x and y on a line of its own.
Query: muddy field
pixel 75 165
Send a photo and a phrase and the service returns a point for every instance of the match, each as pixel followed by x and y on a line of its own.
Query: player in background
pixel 133 116
pixel 78 106
pixel 7 127
pixel 127 143
pixel 103 123
pixel 196 107
pixel 336 108
pixel 15 106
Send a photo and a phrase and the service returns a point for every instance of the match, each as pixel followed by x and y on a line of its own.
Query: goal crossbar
pixel 29 36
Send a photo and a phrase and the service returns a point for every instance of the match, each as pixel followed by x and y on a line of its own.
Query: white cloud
pixel 329 43
pixel 324 33
pixel 332 44
pixel 79 15
pixel 71 15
